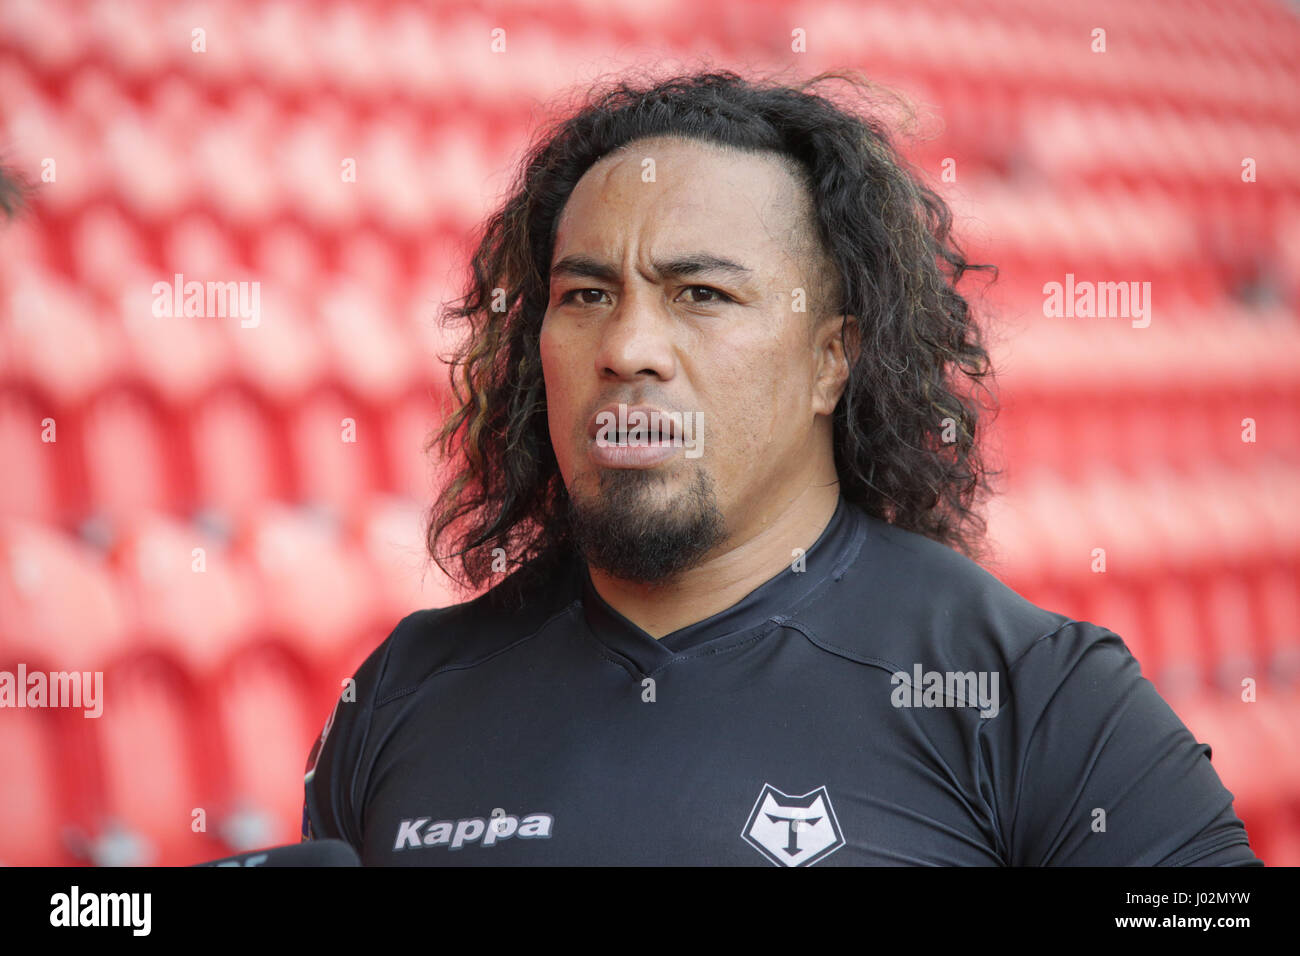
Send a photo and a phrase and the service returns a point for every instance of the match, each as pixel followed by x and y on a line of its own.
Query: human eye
pixel 569 296
pixel 714 295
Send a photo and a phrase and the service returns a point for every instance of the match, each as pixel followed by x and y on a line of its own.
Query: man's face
pixel 680 293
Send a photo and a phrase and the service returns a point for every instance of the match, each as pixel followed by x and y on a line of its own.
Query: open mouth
pixel 663 436
pixel 621 425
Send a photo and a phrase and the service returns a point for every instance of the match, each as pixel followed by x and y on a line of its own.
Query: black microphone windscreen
pixel 309 853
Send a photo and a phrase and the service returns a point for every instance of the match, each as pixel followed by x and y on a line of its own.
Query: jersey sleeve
pixel 335 775
pixel 1091 767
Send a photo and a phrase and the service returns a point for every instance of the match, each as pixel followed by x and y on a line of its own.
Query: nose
pixel 636 339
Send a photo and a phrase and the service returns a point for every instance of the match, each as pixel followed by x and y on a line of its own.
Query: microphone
pixel 308 853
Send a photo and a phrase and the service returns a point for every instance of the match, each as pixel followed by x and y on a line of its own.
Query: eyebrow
pixel 679 267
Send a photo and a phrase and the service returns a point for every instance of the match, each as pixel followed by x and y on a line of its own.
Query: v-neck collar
pixel 775 597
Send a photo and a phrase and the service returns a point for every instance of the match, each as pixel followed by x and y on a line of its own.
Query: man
pixel 711 422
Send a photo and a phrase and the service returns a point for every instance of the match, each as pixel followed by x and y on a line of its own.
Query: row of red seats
pixel 361 324
pixel 1162 522
pixel 257 155
pixel 968 47
pixel 1183 431
pixel 253 162
pixel 177 767
pixel 1086 139
pixel 200 593
pixel 125 454
pixel 1141 233
pixel 1259 31
pixel 1186 346
pixel 116 259
pixel 280 345
pixel 433 181
pixel 362 51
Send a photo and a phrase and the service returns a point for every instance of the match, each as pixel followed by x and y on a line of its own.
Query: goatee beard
pixel 626 534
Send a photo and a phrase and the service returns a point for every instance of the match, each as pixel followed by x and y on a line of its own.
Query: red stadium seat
pixel 54 343
pixel 1177 633
pixel 39 569
pixel 179 359
pixel 191 597
pixel 282 357
pixel 237 459
pixel 393 535
pixel 30 790
pixel 35 470
pixel 337 445
pixel 317 590
pixel 129 454
pixel 408 424
pixel 152 786
pixel 263 686
pixel 371 356
pixel 1278 591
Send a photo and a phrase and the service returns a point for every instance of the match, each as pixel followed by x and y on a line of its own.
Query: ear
pixel 839 342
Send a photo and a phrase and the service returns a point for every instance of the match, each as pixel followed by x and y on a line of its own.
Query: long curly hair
pixel 905 427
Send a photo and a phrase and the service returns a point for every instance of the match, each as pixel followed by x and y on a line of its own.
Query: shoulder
pixel 907 599
pixel 429 641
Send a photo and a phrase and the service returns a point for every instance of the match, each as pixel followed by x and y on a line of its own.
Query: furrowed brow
pixel 701 263
pixel 583 267
pixel 586 267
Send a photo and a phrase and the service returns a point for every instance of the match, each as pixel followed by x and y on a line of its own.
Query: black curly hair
pixel 905 426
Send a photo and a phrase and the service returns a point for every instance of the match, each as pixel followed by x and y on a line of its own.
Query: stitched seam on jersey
pixel 631 666
pixel 892 668
pixel 1033 644
pixel 766 628
pixel 835 648
pixel 1231 839
pixel 984 722
pixel 609 656
pixel 403 692
pixel 1020 768
pixel 851 554
pixel 1004 847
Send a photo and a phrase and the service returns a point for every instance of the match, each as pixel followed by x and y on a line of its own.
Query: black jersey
pixel 884 700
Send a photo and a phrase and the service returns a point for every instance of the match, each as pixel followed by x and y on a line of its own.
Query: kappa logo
pixel 793 831
pixel 457 834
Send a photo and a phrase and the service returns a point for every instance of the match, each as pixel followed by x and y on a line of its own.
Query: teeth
pixel 621 438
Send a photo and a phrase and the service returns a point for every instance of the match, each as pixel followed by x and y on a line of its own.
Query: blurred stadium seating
pixel 198 442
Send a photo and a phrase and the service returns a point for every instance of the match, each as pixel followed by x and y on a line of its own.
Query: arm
pixel 1098 770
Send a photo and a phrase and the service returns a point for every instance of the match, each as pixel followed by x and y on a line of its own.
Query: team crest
pixel 793 831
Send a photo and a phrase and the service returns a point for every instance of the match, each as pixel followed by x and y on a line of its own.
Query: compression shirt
pixel 882 701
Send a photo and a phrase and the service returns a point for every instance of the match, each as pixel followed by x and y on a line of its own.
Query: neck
pixel 737 567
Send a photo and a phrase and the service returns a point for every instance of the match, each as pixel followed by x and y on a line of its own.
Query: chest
pixel 703 766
